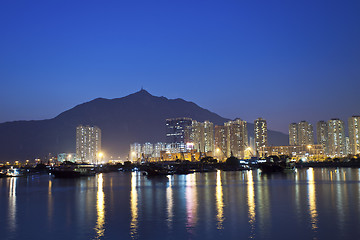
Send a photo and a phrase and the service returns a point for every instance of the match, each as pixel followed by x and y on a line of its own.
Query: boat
pixel 152 170
pixel 74 171
pixel 270 167
pixel 2 174
pixel 14 172
pixel 234 164
pixel 182 169
pixel 289 168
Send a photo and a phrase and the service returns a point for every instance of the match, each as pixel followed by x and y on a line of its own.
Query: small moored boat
pixel 74 170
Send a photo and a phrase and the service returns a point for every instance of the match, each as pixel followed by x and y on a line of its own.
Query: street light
pixel 133 154
pixel 101 154
pixel 309 147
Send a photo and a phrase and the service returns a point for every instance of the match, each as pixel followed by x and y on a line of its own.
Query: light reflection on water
pixel 251 203
pixel 100 208
pixel 50 202
pixel 191 201
pixel 219 201
pixel 170 202
pixel 312 199
pixel 12 204
pixel 133 206
pixel 308 204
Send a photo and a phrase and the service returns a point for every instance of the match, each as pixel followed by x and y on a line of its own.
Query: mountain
pixel 138 117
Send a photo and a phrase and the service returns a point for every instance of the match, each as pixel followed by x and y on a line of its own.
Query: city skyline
pixel 285 131
pixel 283 61
pixel 187 136
pixel 180 119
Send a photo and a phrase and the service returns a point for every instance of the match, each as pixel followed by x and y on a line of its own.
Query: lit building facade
pixel 135 152
pixel 157 151
pixel 176 129
pixel 221 142
pixel 197 135
pixel 158 148
pixel 336 138
pixel 293 134
pixel 209 137
pixel 237 137
pixel 296 151
pixel 88 143
pixel 305 133
pixel 201 135
pixel 260 134
pixel 62 157
pixel 301 133
pixel 322 134
pixel 347 146
pixel 147 150
pixel 354 134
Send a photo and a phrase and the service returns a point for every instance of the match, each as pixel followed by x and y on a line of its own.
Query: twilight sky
pixel 284 60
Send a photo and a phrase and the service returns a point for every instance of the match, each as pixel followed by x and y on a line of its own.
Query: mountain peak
pixel 143 92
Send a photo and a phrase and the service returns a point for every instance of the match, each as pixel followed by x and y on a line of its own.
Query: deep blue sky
pixel 283 60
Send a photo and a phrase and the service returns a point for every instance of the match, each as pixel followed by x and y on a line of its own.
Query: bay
pixel 314 203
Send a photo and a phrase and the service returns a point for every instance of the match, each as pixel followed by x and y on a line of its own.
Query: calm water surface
pixel 307 204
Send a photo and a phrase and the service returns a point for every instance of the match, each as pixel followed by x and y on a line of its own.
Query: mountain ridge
pixel 137 117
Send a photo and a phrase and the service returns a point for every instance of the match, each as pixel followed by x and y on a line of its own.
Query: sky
pixel 285 61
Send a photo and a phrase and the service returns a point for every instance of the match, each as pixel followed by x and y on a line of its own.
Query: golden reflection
pixel 12 204
pixel 312 198
pixel 50 205
pixel 170 203
pixel 251 202
pixel 100 207
pixel 133 206
pixel 219 201
pixel 191 201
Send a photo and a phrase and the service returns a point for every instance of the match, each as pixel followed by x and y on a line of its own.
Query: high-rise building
pixel 237 137
pixel 293 134
pixel 305 133
pixel 347 146
pixel 176 130
pixel 197 135
pixel 336 138
pixel 354 134
pixel 88 143
pixel 202 136
pixel 260 134
pixel 147 149
pixel 301 133
pixel 322 134
pixel 209 137
pixel 135 152
pixel 158 148
pixel 221 142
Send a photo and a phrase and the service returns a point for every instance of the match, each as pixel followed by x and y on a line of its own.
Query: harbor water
pixel 314 203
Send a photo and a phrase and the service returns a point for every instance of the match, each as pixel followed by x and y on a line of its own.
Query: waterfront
pixel 308 204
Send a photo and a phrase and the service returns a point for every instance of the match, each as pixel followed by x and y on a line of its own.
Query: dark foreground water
pixel 308 204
